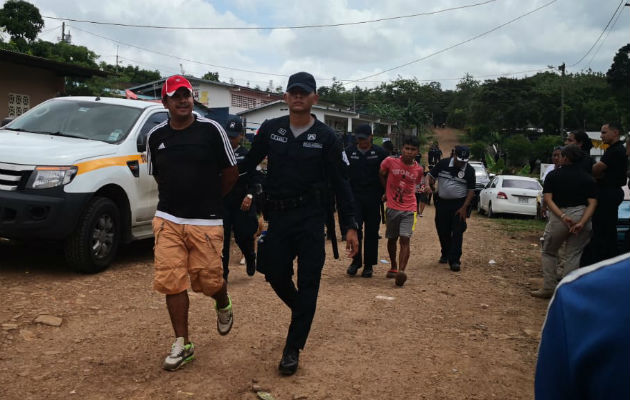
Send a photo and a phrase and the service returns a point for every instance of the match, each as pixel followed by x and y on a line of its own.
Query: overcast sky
pixel 564 31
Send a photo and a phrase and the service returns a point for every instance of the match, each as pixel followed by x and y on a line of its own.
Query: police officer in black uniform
pixel 305 158
pixel 365 161
pixel 239 208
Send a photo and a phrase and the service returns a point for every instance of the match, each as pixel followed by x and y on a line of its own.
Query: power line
pixel 252 28
pixel 456 45
pixel 600 35
pixel 179 58
pixel 601 43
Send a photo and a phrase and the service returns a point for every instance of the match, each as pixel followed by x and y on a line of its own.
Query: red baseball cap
pixel 173 83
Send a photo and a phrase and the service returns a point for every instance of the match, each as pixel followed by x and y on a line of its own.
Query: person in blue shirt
pixel 584 351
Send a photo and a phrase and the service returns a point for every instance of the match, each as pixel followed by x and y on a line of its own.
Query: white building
pixel 340 120
pixel 215 94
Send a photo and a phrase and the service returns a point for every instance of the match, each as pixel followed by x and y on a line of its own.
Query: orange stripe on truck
pixel 121 161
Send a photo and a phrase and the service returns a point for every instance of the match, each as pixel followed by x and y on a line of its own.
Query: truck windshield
pixel 80 119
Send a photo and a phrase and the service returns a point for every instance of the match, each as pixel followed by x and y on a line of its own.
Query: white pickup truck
pixel 73 170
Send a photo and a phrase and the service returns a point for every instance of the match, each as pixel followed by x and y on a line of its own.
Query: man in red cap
pixel 193 163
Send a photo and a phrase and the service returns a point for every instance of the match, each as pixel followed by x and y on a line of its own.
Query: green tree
pixel 518 149
pixel 21 19
pixel 211 76
pixel 618 77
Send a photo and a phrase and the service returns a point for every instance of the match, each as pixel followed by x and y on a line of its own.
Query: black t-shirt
pixel 570 186
pixel 615 173
pixel 364 169
pixel 187 164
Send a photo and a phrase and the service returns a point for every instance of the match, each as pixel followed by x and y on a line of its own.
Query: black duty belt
pixel 293 202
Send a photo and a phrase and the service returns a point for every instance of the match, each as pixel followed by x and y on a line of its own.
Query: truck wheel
pixel 94 243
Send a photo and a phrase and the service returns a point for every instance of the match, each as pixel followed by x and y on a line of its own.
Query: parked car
pixel 73 170
pixel 510 194
pixel 481 180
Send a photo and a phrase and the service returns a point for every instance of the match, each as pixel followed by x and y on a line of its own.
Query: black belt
pixel 312 197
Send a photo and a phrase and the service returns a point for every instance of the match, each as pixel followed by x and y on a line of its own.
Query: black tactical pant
pixel 297 232
pixel 450 227
pixel 368 208
pixel 245 225
pixel 603 244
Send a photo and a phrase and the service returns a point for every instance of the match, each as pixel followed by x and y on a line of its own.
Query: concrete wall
pixel 38 84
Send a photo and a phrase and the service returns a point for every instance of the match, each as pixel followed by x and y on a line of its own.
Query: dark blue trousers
pixel 292 233
pixel 368 208
pixel 244 224
pixel 450 227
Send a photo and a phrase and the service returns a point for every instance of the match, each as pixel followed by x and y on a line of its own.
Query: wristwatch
pixel 250 196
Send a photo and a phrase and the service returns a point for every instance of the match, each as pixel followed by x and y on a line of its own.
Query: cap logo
pixel 232 125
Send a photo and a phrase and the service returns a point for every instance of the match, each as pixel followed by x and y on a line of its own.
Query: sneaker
pixel 401 278
pixel 352 269
pixel 455 266
pixel 225 318
pixel 180 354
pixel 443 260
pixel 367 271
pixel 391 273
pixel 542 293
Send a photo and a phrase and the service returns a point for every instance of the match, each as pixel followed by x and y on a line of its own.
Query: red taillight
pixel 501 195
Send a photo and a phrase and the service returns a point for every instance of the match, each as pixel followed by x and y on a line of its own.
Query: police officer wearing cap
pixel 456 189
pixel 239 209
pixel 365 160
pixel 306 164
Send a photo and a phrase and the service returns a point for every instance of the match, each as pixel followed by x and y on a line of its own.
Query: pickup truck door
pixel 147 186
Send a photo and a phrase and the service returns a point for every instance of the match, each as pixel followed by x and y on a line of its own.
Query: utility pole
pixel 562 68
pixel 116 58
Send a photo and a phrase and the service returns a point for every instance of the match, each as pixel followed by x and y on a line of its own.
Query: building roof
pixel 61 68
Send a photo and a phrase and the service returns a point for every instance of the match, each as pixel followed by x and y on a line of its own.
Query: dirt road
pixel 444 335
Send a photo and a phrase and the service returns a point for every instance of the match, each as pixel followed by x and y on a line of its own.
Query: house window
pixel 18 104
pixel 243 101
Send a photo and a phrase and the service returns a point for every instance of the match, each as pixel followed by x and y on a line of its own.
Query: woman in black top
pixel 581 139
pixel 570 195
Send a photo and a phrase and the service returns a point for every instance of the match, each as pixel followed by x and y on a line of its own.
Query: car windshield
pixel 520 184
pixel 81 119
pixel 480 170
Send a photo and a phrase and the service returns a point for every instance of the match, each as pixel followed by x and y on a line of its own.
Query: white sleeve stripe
pixel 149 164
pixel 227 146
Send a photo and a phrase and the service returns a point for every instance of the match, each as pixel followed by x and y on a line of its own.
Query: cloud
pixel 562 32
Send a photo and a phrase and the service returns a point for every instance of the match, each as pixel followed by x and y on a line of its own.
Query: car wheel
pixel 94 243
pixel 491 213
pixel 479 209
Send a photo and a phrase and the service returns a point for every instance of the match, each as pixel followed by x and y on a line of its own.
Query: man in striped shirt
pixel 193 163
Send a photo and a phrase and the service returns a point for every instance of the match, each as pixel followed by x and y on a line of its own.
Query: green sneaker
pixel 225 318
pixel 180 354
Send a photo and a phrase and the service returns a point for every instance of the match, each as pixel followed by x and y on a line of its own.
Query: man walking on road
pixel 399 177
pixel 305 159
pixel 239 209
pixel 194 165
pixel 456 180
pixel 365 161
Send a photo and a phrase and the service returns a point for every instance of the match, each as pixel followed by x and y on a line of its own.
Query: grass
pixel 520 224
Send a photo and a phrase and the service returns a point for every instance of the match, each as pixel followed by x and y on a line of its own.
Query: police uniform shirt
pixel 615 159
pixel 364 169
pixel 187 164
pixel 570 186
pixel 244 183
pixel 298 166
pixel 454 182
